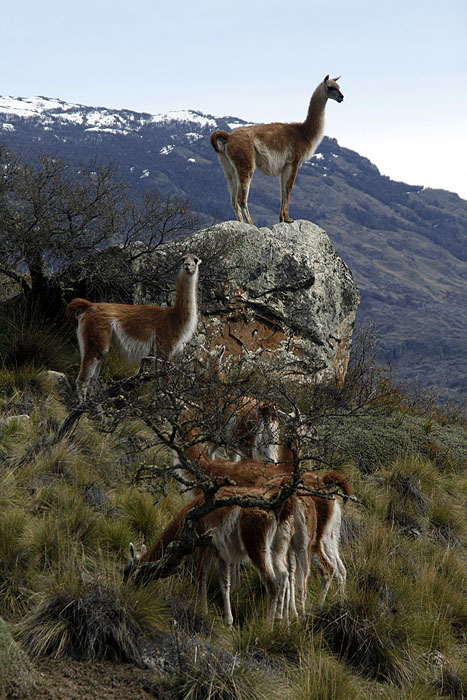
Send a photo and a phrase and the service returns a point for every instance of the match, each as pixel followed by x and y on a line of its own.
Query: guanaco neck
pixel 313 125
pixel 185 306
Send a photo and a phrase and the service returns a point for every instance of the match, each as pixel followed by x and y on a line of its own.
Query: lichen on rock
pixel 281 293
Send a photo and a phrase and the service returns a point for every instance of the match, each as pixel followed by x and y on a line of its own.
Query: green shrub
pixel 378 438
pixel 368 441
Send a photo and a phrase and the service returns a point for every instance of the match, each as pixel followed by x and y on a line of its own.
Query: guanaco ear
pixel 295 414
pixel 336 79
pixel 144 549
pixel 326 78
pixel 132 551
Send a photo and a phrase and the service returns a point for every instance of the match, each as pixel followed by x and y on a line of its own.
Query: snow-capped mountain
pixel 52 112
pixel 50 123
pixel 405 244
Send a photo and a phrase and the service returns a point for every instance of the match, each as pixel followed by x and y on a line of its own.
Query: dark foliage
pixel 68 231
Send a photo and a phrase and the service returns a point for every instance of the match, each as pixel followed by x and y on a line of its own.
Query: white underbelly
pixel 269 161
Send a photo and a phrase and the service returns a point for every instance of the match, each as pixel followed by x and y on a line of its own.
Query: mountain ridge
pixel 406 244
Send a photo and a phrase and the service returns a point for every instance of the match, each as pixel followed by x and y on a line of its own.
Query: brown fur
pixel 249 427
pixel 254 530
pixel 136 329
pixel 275 149
pixel 315 517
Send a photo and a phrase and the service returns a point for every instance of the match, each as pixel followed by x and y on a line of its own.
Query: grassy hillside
pixel 69 508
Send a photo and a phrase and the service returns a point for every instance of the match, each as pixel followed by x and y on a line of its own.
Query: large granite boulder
pixel 282 293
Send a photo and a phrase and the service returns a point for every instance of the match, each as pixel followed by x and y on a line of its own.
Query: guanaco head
pixel 300 426
pixel 307 430
pixel 134 561
pixel 211 363
pixel 190 263
pixel 332 89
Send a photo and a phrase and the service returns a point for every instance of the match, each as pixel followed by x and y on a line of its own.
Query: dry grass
pixel 67 516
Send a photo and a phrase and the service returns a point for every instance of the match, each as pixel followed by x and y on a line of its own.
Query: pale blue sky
pixel 403 66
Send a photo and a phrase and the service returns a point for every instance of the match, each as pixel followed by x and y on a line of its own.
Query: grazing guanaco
pixel 137 330
pixel 317 519
pixel 239 534
pixel 280 546
pixel 275 149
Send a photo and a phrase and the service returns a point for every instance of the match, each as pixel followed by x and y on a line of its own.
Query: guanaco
pixel 137 330
pixel 275 149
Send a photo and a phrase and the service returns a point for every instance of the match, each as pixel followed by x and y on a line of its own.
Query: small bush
pixel 368 441
pixel 378 438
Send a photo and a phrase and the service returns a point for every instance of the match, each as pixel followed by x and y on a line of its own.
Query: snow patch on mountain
pixel 192 137
pixel 51 111
pixel 33 106
pixel 166 150
pixel 185 116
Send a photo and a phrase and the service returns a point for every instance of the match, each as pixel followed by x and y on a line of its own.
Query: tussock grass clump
pixel 92 624
pixel 221 678
pixel 141 515
pixel 422 499
pixel 115 536
pixel 448 520
pixel 145 518
pixel 372 648
pixel 17 678
pixel 66 523
pixel 25 382
pixel 322 677
pixel 257 638
pixel 451 684
pixel 14 593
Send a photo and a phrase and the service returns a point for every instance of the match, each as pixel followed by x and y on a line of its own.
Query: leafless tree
pixel 175 404
pixel 67 230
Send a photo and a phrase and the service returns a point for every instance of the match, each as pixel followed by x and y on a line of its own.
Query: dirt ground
pixel 59 679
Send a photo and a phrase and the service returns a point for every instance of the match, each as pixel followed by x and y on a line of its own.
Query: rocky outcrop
pixel 282 293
